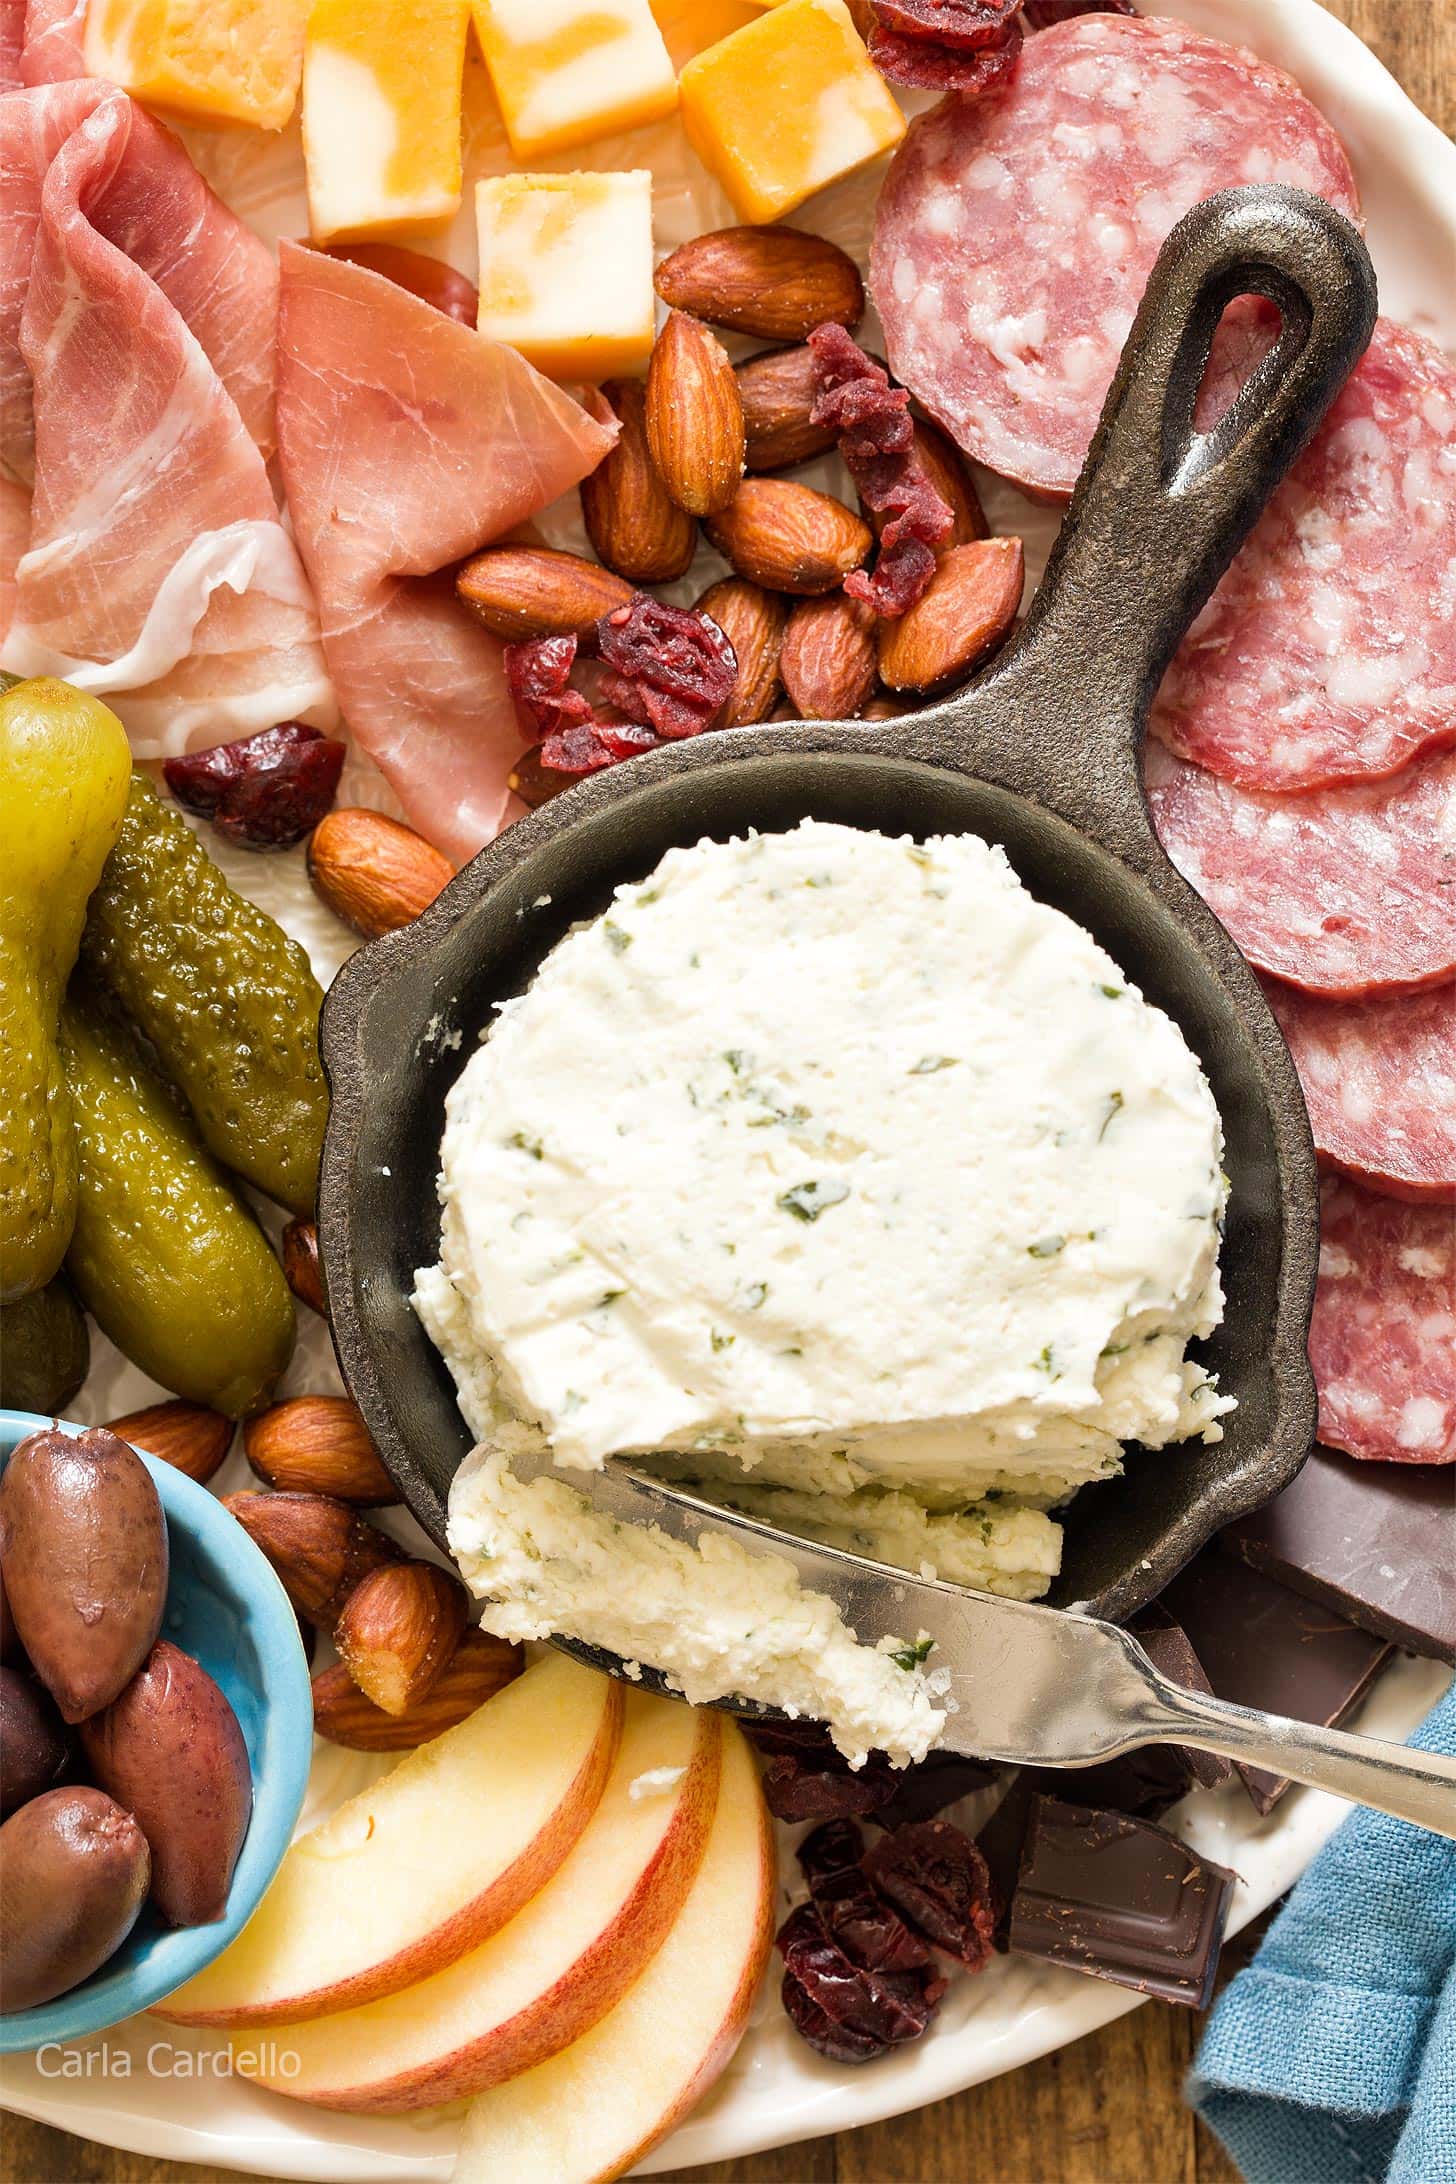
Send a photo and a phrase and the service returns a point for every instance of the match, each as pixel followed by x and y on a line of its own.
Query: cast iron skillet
pixel 1039 754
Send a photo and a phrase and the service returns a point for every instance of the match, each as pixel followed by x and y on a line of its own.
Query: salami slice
pixel 1383 1341
pixel 1379 1081
pixel 1016 230
pixel 1328 652
pixel 1344 892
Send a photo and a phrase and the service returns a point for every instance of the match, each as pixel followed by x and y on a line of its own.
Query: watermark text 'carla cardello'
pixel 163 2059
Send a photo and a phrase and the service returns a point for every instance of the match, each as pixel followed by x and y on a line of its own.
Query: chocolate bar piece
pixel 1265 1646
pixel 1119 1898
pixel 1376 1542
pixel 1146 1782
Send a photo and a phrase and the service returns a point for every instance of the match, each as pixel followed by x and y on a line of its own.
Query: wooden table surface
pixel 1104 2111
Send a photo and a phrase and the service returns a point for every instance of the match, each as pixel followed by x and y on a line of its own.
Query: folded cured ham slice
pixel 1383 1339
pixel 1379 1081
pixel 149 201
pixel 51 44
pixel 407 441
pixel 157 570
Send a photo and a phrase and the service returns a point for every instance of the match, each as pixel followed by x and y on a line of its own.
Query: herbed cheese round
pixel 837 1158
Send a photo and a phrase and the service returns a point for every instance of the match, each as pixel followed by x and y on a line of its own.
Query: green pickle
pixel 226 999
pixel 64 769
pixel 44 1349
pixel 166 1256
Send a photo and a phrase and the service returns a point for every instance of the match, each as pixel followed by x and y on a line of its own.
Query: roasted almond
pixel 185 1435
pixel 318 1444
pixel 372 872
pixel 301 1267
pixel 777 391
pixel 828 660
pixel 945 467
pixel 753 621
pixel 694 416
pixel 775 282
pixel 970 606
pixel 789 538
pixel 320 1548
pixel 536 591
pixel 397 1630
pixel 632 520
pixel 481 1666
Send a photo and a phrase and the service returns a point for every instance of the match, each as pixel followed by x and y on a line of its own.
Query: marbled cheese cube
pixel 381 115
pixel 566 270
pixel 787 105
pixel 213 60
pixel 566 71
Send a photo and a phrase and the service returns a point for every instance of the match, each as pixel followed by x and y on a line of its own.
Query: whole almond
pixel 828 660
pixel 480 1666
pixel 537 591
pixel 631 518
pixel 970 606
pixel 945 467
pixel 753 621
pixel 185 1435
pixel 373 872
pixel 318 1444
pixel 789 538
pixel 694 417
pixel 775 282
pixel 534 783
pixel 397 1630
pixel 777 391
pixel 319 1547
pixel 301 1266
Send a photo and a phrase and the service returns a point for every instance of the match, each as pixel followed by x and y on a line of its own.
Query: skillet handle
pixel 1160 510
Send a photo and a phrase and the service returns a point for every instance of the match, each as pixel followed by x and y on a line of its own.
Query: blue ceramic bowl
pixel 227 1609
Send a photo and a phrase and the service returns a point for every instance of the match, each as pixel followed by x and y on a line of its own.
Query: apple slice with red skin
pixel 426 1863
pixel 564 1960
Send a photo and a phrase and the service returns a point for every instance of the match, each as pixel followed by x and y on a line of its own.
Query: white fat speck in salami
pixel 1345 892
pixel 1383 1339
pixel 1016 231
pixel 1328 652
pixel 1379 1081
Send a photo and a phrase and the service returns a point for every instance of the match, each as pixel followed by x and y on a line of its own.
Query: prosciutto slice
pixel 147 199
pixel 51 46
pixel 157 571
pixel 407 441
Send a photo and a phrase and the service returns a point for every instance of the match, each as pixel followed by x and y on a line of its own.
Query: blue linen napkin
pixel 1332 2058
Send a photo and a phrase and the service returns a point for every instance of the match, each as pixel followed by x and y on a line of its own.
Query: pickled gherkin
pixel 44 1349
pixel 64 769
pixel 166 1256
pixel 226 999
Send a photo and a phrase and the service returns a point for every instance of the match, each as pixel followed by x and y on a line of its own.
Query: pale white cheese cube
pixel 566 270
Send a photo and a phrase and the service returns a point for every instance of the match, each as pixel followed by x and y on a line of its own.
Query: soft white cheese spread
pixel 841 1166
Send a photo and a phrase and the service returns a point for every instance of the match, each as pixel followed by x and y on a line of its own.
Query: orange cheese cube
pixel 381 115
pixel 787 105
pixel 215 60
pixel 566 71
pixel 566 270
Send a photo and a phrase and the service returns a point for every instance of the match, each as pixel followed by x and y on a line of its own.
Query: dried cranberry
pixel 889 2007
pixel 837 2043
pixel 806 1778
pixel 262 792
pixel 935 1875
pixel 916 64
pixel 872 420
pixel 869 1930
pixel 672 668
pixel 1042 14
pixel 962 25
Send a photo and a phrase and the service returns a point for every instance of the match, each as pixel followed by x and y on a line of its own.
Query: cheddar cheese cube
pixel 381 115
pixel 213 60
pixel 566 270
pixel 786 105
pixel 566 71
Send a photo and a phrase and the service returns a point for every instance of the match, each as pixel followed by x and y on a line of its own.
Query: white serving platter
pixel 157 2090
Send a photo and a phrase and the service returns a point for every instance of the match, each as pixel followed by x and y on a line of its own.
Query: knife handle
pixel 1410 1785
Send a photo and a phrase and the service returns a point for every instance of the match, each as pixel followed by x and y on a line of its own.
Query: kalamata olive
pixel 34 1746
pixel 83 1545
pixel 73 1876
pixel 170 1750
pixel 428 278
